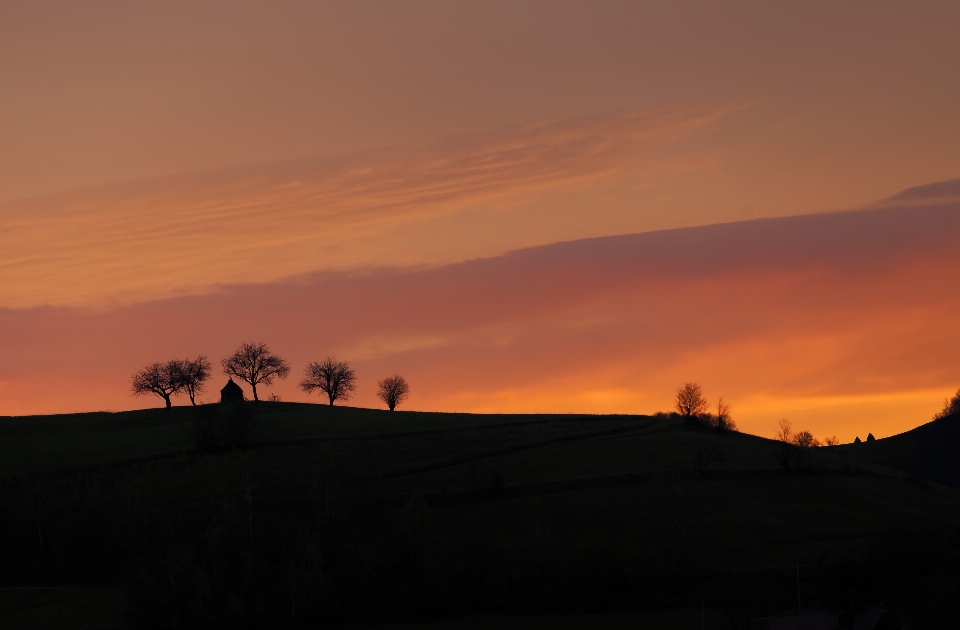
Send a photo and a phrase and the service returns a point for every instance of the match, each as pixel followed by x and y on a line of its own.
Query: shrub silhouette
pixel 950 406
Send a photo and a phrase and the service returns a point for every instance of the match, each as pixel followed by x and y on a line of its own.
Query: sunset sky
pixel 520 206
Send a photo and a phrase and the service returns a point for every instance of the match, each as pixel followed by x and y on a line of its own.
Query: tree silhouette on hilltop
pixel 255 364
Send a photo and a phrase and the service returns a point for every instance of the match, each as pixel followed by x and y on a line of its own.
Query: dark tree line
pixel 254 364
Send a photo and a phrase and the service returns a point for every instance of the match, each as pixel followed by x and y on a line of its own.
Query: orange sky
pixel 157 160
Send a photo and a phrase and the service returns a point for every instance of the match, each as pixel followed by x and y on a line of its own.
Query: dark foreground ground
pixel 290 515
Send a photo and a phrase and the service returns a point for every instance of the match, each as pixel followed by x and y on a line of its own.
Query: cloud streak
pixel 843 318
pixel 183 234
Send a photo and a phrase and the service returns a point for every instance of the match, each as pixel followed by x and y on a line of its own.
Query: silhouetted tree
pixel 393 390
pixel 193 374
pixel 724 419
pixel 332 377
pixel 690 401
pixel 255 364
pixel 785 431
pixel 784 448
pixel 805 439
pixel 162 379
pixel 950 406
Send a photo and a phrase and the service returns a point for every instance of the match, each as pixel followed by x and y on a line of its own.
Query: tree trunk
pixel 255 399
pixel 192 396
pixel 166 399
pixel 330 396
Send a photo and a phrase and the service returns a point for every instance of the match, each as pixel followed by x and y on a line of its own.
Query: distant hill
pixel 931 451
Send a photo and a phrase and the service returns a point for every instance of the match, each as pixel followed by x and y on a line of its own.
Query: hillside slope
pixel 343 514
pixel 929 451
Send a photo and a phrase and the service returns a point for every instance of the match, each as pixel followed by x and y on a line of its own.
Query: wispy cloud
pixel 841 311
pixel 156 238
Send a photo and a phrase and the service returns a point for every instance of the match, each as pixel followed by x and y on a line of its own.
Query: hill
pixel 929 451
pixel 284 514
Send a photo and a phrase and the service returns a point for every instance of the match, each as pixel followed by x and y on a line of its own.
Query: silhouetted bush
pixel 950 406
pixel 667 415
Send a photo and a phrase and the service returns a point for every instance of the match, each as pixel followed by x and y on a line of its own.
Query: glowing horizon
pixel 456 191
pixel 838 321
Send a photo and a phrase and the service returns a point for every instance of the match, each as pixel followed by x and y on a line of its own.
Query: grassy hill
pixel 929 451
pixel 285 514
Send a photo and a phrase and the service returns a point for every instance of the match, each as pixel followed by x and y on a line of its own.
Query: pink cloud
pixel 852 305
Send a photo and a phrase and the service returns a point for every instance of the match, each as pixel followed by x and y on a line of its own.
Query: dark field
pixel 292 515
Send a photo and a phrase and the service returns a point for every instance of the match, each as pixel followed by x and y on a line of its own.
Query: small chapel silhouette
pixel 231 392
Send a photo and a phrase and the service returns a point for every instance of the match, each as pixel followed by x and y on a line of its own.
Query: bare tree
pixel 162 379
pixel 193 374
pixel 784 448
pixel 785 431
pixel 393 390
pixel 334 378
pixel 690 401
pixel 805 439
pixel 950 406
pixel 724 419
pixel 255 364
pixel 805 443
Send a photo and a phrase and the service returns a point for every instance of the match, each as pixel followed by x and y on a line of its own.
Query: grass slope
pixel 929 451
pixel 458 513
pixel 68 441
